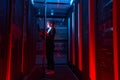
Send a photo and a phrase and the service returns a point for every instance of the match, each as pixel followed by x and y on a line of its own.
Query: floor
pixel 62 72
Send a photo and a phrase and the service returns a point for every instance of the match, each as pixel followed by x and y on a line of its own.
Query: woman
pixel 50 35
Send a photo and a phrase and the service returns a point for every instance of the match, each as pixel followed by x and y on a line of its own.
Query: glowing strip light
pixel 8 75
pixel 9 59
pixel 73 41
pixel 71 2
pixel 69 38
pixel 92 61
pixel 80 35
pixel 115 40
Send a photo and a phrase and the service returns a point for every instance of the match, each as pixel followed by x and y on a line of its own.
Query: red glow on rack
pixel 9 58
pixel 92 66
pixel 22 66
pixel 115 40
pixel 73 40
pixel 73 50
pixel 80 36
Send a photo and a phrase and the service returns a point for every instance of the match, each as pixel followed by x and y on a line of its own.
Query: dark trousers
pixel 50 55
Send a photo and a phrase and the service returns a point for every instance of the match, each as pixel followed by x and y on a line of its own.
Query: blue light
pixel 71 2
pixel 52 12
pixel 32 2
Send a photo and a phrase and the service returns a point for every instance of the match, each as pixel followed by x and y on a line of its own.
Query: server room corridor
pixel 86 43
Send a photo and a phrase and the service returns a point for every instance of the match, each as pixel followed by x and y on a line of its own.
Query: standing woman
pixel 50 35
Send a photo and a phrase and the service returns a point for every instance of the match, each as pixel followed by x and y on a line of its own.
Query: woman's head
pixel 50 24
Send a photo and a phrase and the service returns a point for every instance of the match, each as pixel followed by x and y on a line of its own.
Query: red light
pixel 92 62
pixel 115 40
pixel 80 35
pixel 8 74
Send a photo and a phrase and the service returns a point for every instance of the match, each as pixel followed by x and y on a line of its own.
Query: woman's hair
pixel 51 23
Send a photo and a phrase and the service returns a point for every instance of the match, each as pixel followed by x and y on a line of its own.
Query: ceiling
pixel 55 8
pixel 56 1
